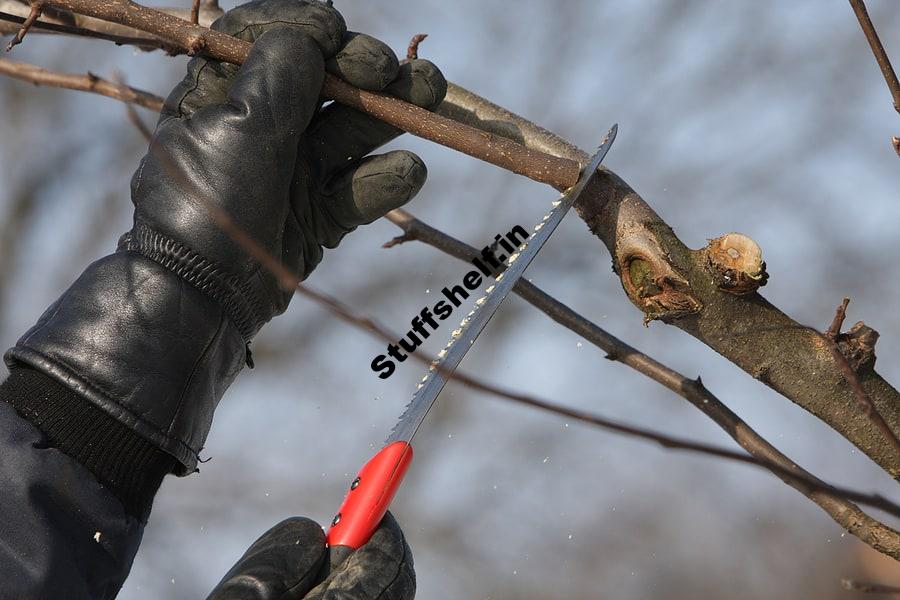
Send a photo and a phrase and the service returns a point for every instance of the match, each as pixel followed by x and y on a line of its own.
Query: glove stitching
pixel 239 300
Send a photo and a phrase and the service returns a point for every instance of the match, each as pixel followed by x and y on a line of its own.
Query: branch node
pixel 761 373
pixel 400 239
pixel 196 44
pixel 858 346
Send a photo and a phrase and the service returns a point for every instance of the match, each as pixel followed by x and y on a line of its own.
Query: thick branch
pixel 845 513
pixel 668 281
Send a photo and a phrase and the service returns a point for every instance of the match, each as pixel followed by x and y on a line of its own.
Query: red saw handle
pixel 368 500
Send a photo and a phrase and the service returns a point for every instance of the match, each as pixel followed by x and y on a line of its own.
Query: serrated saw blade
pixel 467 332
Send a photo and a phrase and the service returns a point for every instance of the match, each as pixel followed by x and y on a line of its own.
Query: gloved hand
pixel 288 561
pixel 153 335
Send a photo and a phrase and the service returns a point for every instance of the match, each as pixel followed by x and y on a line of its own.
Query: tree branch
pixel 793 474
pixel 497 150
pixel 85 83
pixel 57 21
pixel 669 282
pixel 870 588
pixel 884 63
pixel 846 514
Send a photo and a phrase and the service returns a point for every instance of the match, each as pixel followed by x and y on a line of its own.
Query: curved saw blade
pixel 473 323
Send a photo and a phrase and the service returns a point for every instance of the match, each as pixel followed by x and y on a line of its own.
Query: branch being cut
pixel 672 283
pixel 558 172
pixel 846 514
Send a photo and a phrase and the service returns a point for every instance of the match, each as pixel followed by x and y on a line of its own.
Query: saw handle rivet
pixel 354 484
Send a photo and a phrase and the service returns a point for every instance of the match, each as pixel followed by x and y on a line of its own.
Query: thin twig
pixel 130 112
pixel 195 12
pixel 36 9
pixel 412 51
pixel 884 63
pixel 834 330
pixel 868 587
pixel 84 83
pixel 664 440
pixel 863 400
pixel 145 43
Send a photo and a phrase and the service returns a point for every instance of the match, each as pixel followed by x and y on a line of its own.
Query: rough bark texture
pixel 668 281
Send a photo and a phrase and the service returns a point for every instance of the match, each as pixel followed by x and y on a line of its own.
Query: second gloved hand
pixel 288 563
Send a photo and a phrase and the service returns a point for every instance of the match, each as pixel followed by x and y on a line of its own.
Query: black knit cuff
pixel 128 465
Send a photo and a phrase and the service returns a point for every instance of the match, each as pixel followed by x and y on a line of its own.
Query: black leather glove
pixel 288 562
pixel 154 334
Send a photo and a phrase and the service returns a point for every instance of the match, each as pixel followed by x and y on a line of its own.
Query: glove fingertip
pixel 364 62
pixel 387 182
pixel 419 81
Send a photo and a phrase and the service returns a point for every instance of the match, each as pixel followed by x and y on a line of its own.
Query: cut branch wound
pixel 736 263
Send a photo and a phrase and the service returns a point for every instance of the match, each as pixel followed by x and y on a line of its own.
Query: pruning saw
pixel 370 494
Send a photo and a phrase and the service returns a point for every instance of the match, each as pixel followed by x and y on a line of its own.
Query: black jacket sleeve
pixel 76 489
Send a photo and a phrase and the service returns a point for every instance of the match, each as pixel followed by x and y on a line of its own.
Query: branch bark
pixel 209 12
pixel 881 57
pixel 670 282
pixel 845 513
pixel 85 83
